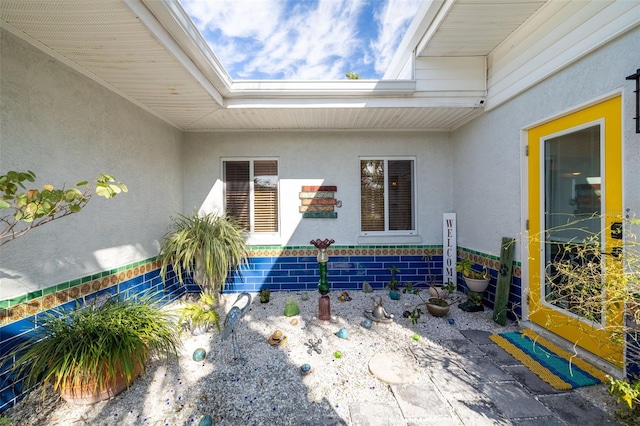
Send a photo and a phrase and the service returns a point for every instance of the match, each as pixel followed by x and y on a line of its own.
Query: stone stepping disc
pixel 393 368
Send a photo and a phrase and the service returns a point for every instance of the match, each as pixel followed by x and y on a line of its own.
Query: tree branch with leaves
pixel 24 209
pixel 597 285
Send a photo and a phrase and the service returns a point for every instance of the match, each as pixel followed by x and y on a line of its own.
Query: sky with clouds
pixel 302 39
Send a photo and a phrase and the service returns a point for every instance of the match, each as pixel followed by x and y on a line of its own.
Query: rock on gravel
pixel 268 389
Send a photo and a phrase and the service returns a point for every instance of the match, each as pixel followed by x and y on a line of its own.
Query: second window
pixel 387 195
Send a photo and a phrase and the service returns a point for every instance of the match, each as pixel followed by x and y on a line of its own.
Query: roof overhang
pixel 150 52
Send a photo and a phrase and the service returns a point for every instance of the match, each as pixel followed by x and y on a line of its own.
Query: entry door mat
pixel 559 368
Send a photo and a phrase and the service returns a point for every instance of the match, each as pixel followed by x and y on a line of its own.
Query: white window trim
pixel 409 236
pixel 255 238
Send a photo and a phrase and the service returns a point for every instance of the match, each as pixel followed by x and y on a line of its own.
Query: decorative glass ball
pixel 305 368
pixel 206 421
pixel 199 354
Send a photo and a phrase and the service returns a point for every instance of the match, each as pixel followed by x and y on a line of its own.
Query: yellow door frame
pixel 595 338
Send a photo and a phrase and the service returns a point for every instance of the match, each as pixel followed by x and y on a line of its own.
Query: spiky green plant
pixel 393 283
pixel 88 347
pixel 200 313
pixel 206 246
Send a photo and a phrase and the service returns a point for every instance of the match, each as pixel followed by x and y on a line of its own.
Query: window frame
pixel 414 199
pixel 251 161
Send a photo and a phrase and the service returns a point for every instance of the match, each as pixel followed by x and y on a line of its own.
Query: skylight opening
pixel 303 40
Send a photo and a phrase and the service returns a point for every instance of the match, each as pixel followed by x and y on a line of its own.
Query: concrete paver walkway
pixel 473 382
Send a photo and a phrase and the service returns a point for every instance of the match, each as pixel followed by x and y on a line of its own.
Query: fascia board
pixel 439 100
pixel 334 88
pixel 433 27
pixel 193 40
pixel 177 33
pixel 596 30
pixel 425 15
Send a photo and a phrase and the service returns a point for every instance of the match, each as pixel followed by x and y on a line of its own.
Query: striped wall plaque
pixel 318 202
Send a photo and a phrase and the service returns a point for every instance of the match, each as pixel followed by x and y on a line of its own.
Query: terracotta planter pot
pixel 437 310
pixel 85 395
pixel 477 286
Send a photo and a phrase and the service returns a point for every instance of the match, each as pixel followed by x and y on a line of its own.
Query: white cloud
pixel 236 18
pixel 300 40
pixel 393 20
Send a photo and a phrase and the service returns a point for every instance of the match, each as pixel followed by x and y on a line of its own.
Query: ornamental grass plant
pixel 206 246
pixel 89 347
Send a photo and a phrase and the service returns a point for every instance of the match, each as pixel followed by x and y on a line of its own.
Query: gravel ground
pixel 268 389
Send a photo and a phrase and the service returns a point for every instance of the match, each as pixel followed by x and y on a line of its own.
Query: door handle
pixel 615 252
pixel 616 230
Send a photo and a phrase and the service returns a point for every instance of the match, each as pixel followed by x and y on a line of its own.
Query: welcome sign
pixel 449 249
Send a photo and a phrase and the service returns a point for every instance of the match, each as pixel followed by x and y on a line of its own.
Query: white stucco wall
pixel 66 128
pixel 488 152
pixel 322 158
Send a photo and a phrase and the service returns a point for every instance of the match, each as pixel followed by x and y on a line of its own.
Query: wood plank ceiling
pixel 476 27
pixel 108 42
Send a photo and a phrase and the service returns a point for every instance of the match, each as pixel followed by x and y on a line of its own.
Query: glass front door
pixel 572 220
pixel 574 198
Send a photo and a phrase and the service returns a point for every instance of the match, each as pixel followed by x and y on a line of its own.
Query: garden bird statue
pixel 231 323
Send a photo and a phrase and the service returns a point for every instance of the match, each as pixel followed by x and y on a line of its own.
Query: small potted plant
pixel 477 281
pixel 394 285
pixel 437 306
pixel 264 295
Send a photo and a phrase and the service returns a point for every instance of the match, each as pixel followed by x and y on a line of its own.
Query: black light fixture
pixel 636 77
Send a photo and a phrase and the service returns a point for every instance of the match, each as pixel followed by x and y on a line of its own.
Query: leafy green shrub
pixel 629 395
pixel 200 313
pixel 466 267
pixel 595 276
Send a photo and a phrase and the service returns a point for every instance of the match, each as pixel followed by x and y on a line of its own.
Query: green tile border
pixel 60 289
pixel 255 251
pixel 6 303
pixel 287 250
pixel 16 308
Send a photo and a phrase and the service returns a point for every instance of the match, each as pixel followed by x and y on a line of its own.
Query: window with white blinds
pixel 387 195
pixel 251 193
